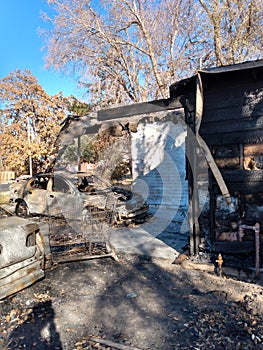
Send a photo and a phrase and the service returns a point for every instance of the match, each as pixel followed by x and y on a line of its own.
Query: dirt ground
pixel 136 303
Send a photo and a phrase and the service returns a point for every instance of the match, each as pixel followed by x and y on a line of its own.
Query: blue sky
pixel 21 46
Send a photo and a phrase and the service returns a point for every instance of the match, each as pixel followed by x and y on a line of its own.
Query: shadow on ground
pixel 37 331
pixel 138 303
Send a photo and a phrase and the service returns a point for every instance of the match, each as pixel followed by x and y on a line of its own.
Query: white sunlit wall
pixel 158 168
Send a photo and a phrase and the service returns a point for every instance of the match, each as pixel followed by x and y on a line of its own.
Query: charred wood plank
pixel 242 187
pixel 189 265
pixel 190 142
pixel 228 126
pixel 232 113
pixel 112 344
pixel 139 108
pixel 243 175
pixel 234 96
pixel 244 181
pixel 235 247
pixel 245 188
pixel 245 136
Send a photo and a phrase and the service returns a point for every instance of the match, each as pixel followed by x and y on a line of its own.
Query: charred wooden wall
pixel 232 127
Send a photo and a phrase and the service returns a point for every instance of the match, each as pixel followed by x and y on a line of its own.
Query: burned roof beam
pixel 139 108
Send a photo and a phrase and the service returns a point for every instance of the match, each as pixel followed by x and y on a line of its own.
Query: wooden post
pixel 79 160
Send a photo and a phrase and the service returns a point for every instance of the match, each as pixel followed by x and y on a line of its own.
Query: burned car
pixel 15 185
pixel 22 251
pixel 51 193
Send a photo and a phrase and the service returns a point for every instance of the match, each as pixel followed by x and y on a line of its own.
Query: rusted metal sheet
pixel 21 255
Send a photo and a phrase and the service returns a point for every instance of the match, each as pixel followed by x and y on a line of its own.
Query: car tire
pixel 22 209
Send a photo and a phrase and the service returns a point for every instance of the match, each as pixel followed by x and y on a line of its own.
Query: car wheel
pixel 22 209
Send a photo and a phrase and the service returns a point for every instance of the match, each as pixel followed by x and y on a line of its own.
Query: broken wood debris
pixel 109 343
pixel 4 212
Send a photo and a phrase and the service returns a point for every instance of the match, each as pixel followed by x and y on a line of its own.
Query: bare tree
pixel 132 50
pixel 236 29
pixel 125 50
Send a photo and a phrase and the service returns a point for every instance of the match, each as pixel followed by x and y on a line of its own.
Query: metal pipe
pixel 257 246
pixel 219 264
pixel 29 147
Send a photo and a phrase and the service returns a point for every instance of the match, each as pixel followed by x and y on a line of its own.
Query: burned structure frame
pixel 223 110
pixel 226 117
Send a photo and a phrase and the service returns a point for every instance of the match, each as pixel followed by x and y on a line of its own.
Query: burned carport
pixel 154 141
pixel 222 110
